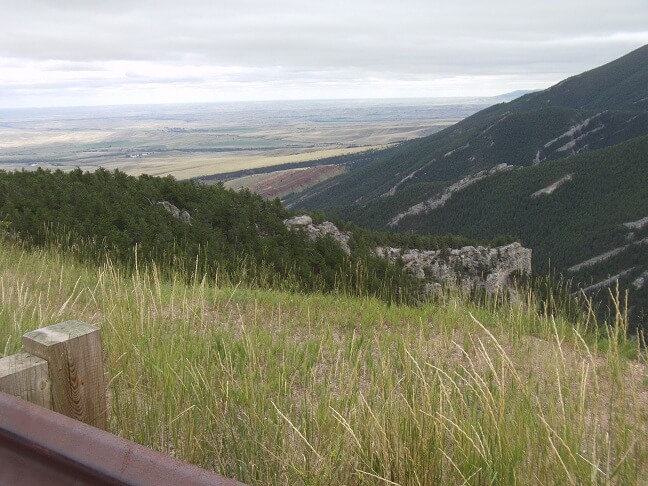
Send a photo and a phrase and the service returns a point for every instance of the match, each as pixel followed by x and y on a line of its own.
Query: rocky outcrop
pixel 552 187
pixel 466 268
pixel 640 223
pixel 604 256
pixel 608 281
pixel 177 213
pixel 298 222
pixel 640 281
pixel 314 231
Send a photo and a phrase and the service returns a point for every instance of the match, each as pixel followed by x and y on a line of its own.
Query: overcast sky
pixel 88 52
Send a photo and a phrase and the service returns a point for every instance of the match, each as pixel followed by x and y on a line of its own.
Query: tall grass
pixel 352 275
pixel 274 387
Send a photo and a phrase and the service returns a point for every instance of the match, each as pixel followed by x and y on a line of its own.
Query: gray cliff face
pixel 465 268
pixel 314 231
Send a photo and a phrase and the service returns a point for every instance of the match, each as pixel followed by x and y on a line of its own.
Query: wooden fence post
pixel 27 377
pixel 73 351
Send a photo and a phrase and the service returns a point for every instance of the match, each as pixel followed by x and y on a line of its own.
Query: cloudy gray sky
pixel 87 52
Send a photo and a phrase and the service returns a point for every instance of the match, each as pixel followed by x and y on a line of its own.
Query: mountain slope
pixel 619 85
pixel 599 108
pixel 579 146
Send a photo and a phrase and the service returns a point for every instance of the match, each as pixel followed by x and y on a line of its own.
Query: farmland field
pixel 188 141
pixel 283 182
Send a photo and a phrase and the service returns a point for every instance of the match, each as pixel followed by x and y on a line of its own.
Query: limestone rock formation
pixel 314 231
pixel 182 215
pixel 465 268
pixel 298 221
pixel 640 281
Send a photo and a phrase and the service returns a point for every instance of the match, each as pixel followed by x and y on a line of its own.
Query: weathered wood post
pixel 26 376
pixel 73 351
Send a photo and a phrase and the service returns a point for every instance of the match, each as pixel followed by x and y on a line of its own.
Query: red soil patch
pixel 294 181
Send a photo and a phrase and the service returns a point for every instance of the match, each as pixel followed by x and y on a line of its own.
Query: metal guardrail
pixel 39 446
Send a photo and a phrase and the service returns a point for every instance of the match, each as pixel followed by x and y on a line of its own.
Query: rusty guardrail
pixel 39 446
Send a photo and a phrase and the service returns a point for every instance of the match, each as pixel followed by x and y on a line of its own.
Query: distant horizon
pixel 404 99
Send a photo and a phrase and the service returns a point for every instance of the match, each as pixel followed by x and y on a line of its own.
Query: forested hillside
pixel 218 232
pixel 420 169
pixel 567 211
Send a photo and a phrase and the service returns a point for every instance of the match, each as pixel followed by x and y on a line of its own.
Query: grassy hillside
pixel 279 388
